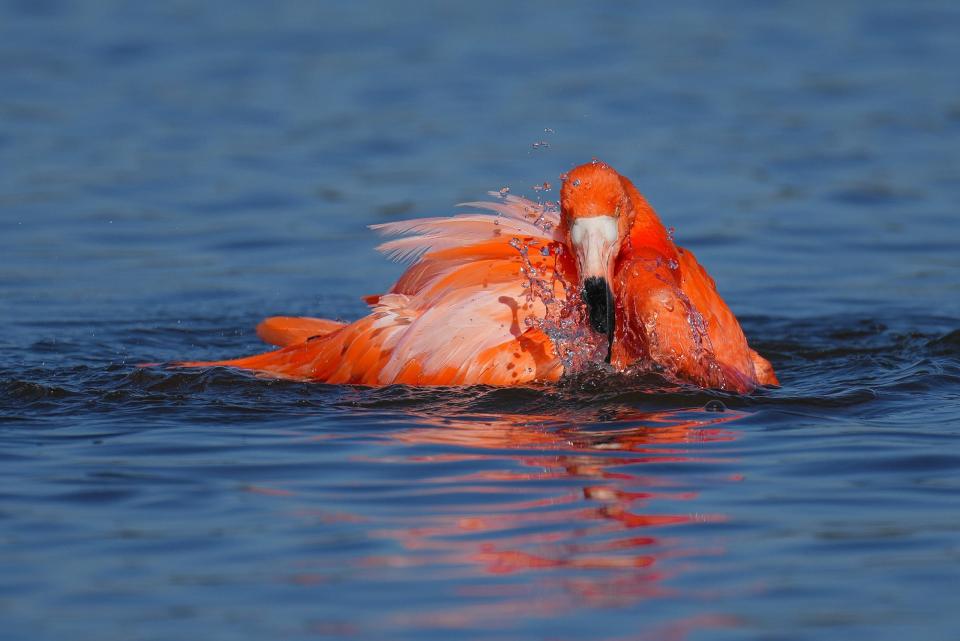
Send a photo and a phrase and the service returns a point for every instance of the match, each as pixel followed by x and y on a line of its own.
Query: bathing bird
pixel 517 292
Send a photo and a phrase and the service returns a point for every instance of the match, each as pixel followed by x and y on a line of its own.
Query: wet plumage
pixel 500 296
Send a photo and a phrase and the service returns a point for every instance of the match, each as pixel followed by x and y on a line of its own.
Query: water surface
pixel 174 172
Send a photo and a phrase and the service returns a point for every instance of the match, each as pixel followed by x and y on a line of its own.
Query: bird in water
pixel 521 292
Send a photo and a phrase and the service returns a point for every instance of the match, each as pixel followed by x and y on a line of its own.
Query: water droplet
pixel 540 144
pixel 548 130
pixel 545 251
pixel 715 406
pixel 504 191
pixel 576 183
pixel 670 232
pixel 672 264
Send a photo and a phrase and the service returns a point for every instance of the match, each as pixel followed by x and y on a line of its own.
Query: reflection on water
pixel 556 513
pixel 597 508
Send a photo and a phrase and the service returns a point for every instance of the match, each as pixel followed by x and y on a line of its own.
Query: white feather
pixel 515 217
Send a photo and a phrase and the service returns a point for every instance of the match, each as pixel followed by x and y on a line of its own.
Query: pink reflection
pixel 599 541
pixel 565 514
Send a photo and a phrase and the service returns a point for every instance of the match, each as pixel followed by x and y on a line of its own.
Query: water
pixel 172 172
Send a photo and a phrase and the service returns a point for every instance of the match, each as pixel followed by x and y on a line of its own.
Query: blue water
pixel 170 173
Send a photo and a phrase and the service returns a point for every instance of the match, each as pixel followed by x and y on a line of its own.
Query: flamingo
pixel 520 292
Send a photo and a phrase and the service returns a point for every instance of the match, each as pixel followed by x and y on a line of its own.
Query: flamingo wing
pixel 672 315
pixel 726 336
pixel 457 316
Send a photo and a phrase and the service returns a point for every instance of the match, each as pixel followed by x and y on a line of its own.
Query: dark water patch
pixel 947 345
pixel 253 245
pixel 94 496
pixel 25 392
pixel 873 194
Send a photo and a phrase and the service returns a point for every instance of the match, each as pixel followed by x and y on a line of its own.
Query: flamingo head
pixel 596 217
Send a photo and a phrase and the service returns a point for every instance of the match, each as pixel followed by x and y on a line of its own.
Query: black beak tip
pixel 599 299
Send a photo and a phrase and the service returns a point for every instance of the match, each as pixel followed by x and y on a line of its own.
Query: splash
pixel 661 359
pixel 704 353
pixel 565 318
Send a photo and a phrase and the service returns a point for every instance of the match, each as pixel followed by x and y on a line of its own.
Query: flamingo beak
pixel 596 241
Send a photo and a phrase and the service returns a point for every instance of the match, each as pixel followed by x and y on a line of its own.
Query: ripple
pixel 823 364
pixel 603 491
